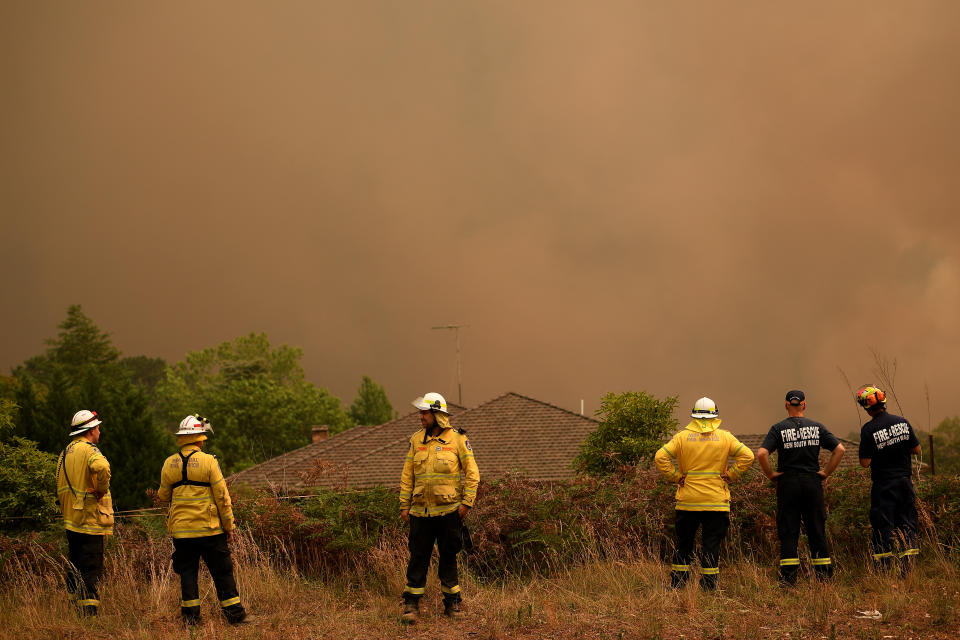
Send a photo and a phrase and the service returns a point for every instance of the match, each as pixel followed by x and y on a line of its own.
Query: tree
pixel 145 371
pixel 7 411
pixel 27 483
pixel 81 370
pixel 80 343
pixel 256 397
pixel 633 425
pixel 371 406
pixel 946 442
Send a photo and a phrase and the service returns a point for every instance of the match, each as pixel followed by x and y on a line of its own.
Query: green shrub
pixel 28 488
pixel 633 425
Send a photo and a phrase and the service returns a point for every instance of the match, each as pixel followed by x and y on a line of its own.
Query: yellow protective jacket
pixel 699 455
pixel 82 474
pixel 430 484
pixel 202 507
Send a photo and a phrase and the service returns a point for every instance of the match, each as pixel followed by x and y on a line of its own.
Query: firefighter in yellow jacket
pixel 200 521
pixel 83 491
pixel 696 459
pixel 435 502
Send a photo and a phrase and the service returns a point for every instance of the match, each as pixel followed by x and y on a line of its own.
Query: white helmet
pixel 83 420
pixel 431 402
pixel 193 425
pixel 705 408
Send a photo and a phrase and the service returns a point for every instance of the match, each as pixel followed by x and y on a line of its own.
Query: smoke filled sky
pixel 690 198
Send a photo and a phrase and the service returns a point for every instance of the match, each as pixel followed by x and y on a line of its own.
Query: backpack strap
pixel 185 481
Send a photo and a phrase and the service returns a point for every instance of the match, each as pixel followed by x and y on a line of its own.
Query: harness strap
pixel 185 481
pixel 63 465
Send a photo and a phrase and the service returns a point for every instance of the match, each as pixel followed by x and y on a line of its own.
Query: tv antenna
pixel 456 328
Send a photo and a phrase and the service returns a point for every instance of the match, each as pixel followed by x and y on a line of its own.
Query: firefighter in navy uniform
pixel 696 459
pixel 83 491
pixel 886 444
pixel 799 480
pixel 200 521
pixel 435 502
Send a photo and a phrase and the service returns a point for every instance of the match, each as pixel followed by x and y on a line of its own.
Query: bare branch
pixel 853 392
pixel 886 372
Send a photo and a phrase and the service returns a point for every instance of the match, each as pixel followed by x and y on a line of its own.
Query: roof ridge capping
pixel 529 399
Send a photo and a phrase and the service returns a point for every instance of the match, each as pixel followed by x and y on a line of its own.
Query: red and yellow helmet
pixel 871 396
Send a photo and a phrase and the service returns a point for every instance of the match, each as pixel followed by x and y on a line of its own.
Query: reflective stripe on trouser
pixel 715 524
pixel 678 575
pixel 444 531
pixel 800 505
pixel 86 568
pixel 216 555
pixel 893 516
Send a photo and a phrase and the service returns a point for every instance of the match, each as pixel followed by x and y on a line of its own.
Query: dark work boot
pixel 411 612
pixel 452 609
pixel 788 576
pixel 235 614
pixel 823 573
pixel 678 579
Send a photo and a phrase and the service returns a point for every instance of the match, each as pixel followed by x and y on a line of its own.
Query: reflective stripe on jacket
pixel 82 467
pixel 195 511
pixel 430 484
pixel 699 454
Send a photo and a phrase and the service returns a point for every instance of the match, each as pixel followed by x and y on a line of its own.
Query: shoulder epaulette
pixel 462 432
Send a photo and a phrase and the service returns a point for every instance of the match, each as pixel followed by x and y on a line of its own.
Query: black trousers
pixel 216 555
pixel 424 532
pixel 86 569
pixel 893 516
pixel 715 525
pixel 800 503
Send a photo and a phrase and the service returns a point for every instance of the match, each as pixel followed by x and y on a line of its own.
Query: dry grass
pixel 599 598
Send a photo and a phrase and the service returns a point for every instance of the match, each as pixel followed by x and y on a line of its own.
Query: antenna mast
pixel 456 328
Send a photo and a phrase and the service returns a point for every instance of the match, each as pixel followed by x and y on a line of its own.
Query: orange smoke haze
pixel 723 199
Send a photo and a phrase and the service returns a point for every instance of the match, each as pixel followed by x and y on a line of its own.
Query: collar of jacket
pixel 439 436
pixel 190 446
pixel 701 425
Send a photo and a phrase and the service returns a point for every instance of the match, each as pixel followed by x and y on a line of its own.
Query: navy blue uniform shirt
pixel 797 442
pixel 887 440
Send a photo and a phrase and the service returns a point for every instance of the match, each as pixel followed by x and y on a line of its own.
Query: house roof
pixel 509 433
